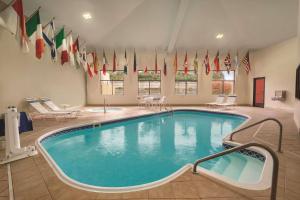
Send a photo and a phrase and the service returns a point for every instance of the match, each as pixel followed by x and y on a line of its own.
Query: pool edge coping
pixel 262 183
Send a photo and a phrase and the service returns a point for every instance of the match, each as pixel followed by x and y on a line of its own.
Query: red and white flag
pixel 70 46
pixel 185 64
pixel 175 64
pixel 90 64
pixel 12 18
pixel 217 62
pixel 246 63
pixel 76 52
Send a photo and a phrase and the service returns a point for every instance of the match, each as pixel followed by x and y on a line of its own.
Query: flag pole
pixel 33 13
pixel 53 18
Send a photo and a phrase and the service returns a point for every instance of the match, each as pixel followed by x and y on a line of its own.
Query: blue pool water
pixel 147 149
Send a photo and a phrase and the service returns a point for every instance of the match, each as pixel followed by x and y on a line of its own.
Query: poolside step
pixel 235 167
pixel 220 166
pixel 249 174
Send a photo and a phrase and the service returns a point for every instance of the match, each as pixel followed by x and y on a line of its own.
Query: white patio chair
pixel 219 100
pixel 50 104
pixel 44 113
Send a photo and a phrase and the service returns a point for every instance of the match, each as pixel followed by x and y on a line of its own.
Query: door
pixel 259 92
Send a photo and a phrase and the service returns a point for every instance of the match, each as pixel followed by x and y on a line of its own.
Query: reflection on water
pixel 141 150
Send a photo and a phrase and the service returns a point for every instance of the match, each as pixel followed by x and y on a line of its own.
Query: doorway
pixel 259 92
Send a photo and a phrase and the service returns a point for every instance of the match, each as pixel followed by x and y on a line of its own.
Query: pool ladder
pixel 238 148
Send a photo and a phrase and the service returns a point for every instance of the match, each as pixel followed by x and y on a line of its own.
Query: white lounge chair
pixel 44 113
pixel 219 100
pixel 160 102
pixel 50 104
pixel 230 101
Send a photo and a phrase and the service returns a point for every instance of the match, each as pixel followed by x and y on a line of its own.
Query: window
pixel 186 84
pixel 149 82
pixel 112 83
pixel 223 82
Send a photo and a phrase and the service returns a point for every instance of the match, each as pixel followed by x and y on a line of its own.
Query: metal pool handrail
pixel 234 149
pixel 259 122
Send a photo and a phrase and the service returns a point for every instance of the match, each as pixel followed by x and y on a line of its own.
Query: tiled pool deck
pixel 33 178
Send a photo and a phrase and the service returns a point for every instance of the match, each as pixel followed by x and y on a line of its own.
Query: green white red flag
pixel 34 31
pixel 61 46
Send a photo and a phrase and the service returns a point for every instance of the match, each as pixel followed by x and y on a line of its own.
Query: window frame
pixel 159 72
pixel 222 81
pixel 112 83
pixel 185 89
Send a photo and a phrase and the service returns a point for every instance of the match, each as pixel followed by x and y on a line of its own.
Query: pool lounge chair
pixel 50 104
pixel 230 101
pixel 160 102
pixel 44 113
pixel 219 100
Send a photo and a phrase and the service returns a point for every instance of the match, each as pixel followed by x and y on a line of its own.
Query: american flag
pixel 246 62
pixel 227 62
pixel 206 63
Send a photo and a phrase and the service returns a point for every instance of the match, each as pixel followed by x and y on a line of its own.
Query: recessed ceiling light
pixel 219 36
pixel 87 15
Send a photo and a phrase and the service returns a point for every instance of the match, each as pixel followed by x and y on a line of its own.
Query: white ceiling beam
pixel 183 5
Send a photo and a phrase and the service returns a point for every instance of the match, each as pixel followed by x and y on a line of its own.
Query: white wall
pixel 22 75
pixel 297 102
pixel 277 64
pixel 167 82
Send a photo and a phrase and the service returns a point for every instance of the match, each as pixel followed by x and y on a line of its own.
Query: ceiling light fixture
pixel 219 36
pixel 87 15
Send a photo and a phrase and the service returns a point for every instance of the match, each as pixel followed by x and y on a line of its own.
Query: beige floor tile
pixel 164 191
pixel 184 190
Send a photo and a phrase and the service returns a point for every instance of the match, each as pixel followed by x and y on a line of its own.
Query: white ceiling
pixel 151 24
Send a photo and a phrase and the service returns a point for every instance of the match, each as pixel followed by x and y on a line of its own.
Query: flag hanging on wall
pixel 217 62
pixel 206 63
pixel 236 64
pixel 49 38
pixel 105 63
pixel 114 62
pixel 246 63
pixel 96 63
pixel 70 49
pixel 125 63
pixel 165 67
pixel 185 64
pixel 83 59
pixel 12 18
pixel 134 62
pixel 90 64
pixel 155 65
pixel 9 19
pixel 34 31
pixel 175 64
pixel 196 62
pixel 61 46
pixel 227 62
pixel 76 52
